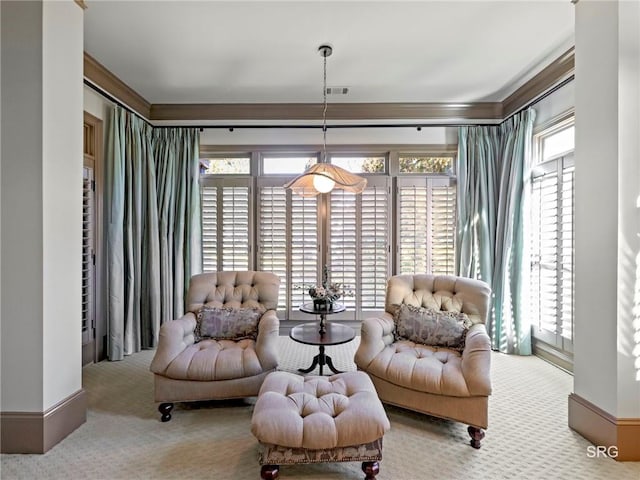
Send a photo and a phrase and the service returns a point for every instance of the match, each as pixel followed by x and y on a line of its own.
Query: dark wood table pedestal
pixel 334 334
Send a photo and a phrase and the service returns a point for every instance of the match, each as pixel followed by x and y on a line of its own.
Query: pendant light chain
pixel 324 111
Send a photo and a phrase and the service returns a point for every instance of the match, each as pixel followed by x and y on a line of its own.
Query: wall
pixel 555 104
pixel 41 203
pixel 96 104
pixel 62 47
pixel 628 347
pixel 607 152
pixel 21 282
pixel 595 377
pixel 335 136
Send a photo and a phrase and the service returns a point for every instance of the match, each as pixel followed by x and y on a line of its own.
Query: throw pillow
pixel 223 323
pixel 432 327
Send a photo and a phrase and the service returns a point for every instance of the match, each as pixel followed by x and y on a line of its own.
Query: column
pixel 42 399
pixel 605 405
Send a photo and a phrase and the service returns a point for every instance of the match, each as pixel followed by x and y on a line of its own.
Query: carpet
pixel 123 438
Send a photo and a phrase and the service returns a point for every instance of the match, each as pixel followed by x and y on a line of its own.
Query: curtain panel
pixel 152 228
pixel 492 161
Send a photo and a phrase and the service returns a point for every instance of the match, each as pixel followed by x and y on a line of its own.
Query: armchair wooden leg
pixel 165 410
pixel 269 472
pixel 476 435
pixel 370 469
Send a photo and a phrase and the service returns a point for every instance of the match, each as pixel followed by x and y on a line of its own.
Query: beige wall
pixel 62 192
pixel 96 104
pixel 335 136
pixel 21 283
pixel 41 203
pixel 606 220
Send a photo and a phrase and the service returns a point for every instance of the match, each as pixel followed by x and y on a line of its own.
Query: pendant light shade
pixel 323 177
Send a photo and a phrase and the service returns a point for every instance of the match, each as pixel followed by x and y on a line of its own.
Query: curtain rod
pixel 553 89
pixel 112 99
pixel 418 126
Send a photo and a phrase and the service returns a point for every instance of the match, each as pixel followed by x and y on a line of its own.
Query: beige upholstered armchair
pixel 186 369
pixel 438 381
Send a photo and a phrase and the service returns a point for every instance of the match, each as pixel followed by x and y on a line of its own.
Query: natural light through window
pixel 558 143
pixel 360 164
pixel 286 165
pixel 231 165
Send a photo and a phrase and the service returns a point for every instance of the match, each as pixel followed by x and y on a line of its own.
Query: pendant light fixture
pixel 323 177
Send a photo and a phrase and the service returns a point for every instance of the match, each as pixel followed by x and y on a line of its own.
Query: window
pixel 426 214
pixel 359 241
pixel 426 163
pixel 552 241
pixel 288 239
pixel 286 165
pixel 226 165
pixel 373 164
pixel 401 223
pixel 226 223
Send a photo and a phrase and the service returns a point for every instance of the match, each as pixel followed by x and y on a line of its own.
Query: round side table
pixel 311 309
pixel 335 334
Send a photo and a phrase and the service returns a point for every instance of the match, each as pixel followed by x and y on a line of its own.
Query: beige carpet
pixel 528 437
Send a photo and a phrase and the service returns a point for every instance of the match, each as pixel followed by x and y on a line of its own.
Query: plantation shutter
pixel 288 240
pixel 226 220
pixel 552 251
pixel 567 248
pixel 209 208
pixel 359 243
pixel 88 266
pixel 272 236
pixel 426 225
pixel 304 247
pixel 544 258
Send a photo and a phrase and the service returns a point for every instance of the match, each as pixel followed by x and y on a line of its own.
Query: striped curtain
pixel 152 228
pixel 491 165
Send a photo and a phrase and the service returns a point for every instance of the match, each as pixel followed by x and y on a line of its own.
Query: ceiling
pixel 266 52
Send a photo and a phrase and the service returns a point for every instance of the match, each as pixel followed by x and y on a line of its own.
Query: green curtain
pixel 152 228
pixel 492 161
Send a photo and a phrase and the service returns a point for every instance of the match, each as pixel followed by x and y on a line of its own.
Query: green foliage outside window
pixel 373 165
pixel 426 164
pixel 225 165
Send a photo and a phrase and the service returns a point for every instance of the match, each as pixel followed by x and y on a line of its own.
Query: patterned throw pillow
pixel 432 327
pixel 223 323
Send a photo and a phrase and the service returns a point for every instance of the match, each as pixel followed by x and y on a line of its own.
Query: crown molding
pixel 335 111
pixel 557 71
pixel 97 74
pixel 81 4
pixel 492 112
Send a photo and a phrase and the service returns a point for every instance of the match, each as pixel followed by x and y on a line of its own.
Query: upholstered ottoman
pixel 318 419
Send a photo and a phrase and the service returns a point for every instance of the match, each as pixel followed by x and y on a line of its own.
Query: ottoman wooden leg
pixel 370 469
pixel 269 472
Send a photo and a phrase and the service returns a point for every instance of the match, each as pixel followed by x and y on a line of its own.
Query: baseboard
pixel 604 430
pixel 38 432
pixel 553 355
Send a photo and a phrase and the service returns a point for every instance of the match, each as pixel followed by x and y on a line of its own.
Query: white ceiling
pixel 264 51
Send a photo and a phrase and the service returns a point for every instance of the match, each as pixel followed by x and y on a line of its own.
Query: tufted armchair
pixel 437 381
pixel 186 370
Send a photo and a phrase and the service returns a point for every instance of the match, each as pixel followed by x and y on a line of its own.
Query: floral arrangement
pixel 327 291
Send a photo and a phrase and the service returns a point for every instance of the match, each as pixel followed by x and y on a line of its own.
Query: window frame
pixel 554 345
pixel 257 179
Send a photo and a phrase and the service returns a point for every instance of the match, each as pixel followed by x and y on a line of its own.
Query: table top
pixel 310 308
pixel 335 334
